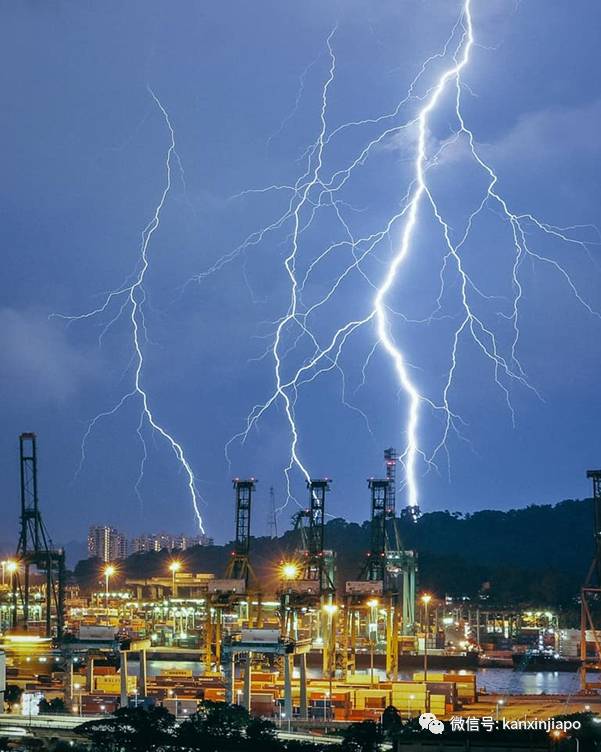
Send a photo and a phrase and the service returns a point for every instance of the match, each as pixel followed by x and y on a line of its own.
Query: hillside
pixel 534 556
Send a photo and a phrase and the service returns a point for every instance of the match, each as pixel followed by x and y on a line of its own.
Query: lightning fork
pixel 132 297
pixel 318 189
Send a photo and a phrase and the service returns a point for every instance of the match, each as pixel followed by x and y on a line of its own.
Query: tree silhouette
pixel 131 729
pixel 12 694
pixel 362 737
pixel 391 722
pixel 56 706
pixel 261 735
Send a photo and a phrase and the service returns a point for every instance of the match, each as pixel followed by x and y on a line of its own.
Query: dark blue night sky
pixel 83 161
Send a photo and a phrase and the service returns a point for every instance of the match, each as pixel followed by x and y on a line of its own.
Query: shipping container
pixel 214 694
pixel 260 635
pixel 96 632
pixel 111 684
pixel 227 586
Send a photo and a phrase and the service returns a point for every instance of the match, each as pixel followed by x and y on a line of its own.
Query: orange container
pixel 374 702
pixel 214 694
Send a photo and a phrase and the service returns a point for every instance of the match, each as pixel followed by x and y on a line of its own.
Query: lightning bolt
pixel 130 297
pixel 316 191
pixel 306 344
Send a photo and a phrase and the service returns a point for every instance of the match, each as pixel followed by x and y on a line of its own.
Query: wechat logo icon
pixel 430 721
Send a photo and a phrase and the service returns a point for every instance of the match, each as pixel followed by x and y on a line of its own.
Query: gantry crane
pixel 240 585
pixel 239 566
pixel 307 590
pixel 386 581
pixel 35 551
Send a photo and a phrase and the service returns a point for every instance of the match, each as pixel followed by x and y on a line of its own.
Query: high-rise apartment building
pixel 159 541
pixel 106 543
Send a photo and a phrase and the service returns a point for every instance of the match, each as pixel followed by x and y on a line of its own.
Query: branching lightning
pixel 130 298
pixel 307 342
pixel 319 190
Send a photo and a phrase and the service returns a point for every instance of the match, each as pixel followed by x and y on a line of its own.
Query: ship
pixel 543 660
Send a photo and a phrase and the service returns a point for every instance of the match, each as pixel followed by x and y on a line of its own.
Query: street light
pixel 331 609
pixel 372 644
pixel 109 571
pixel 289 570
pixel 373 603
pixel 171 693
pixel 77 686
pixel 500 703
pixel 11 567
pixel 426 598
pixel 174 567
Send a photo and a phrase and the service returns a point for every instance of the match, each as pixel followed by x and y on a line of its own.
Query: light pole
pixel 171 693
pixel 426 598
pixel 8 566
pixel 11 568
pixel 500 704
pixel 289 570
pixel 411 697
pixel 109 571
pixel 174 568
pixel 78 695
pixel 373 633
pixel 330 609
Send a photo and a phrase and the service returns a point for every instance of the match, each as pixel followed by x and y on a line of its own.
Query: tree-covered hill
pixel 534 556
